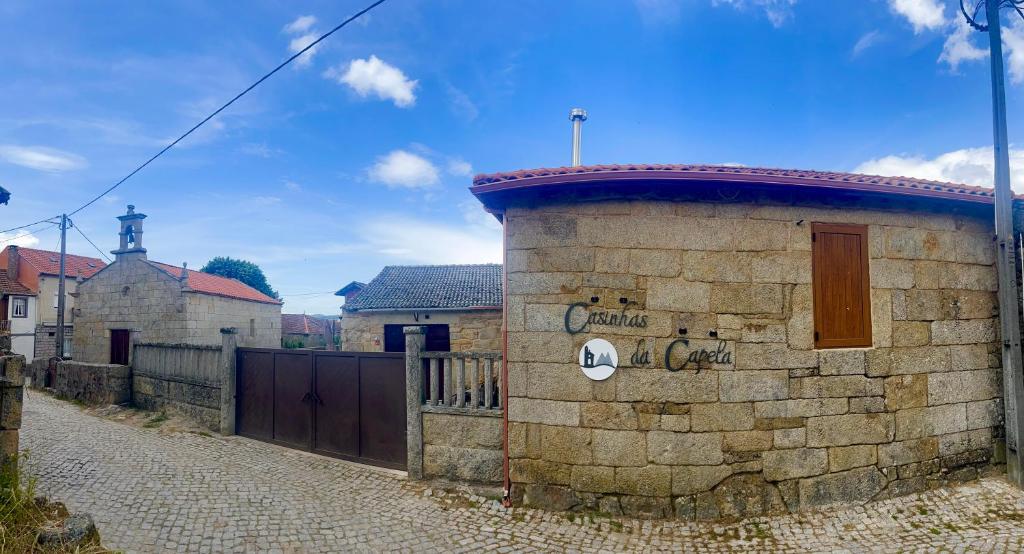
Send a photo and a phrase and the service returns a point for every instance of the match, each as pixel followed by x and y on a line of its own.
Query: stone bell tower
pixel 131 236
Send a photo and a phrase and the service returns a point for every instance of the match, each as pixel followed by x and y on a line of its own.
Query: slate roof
pixel 217 285
pixel 301 324
pixel 525 178
pixel 431 287
pixel 48 263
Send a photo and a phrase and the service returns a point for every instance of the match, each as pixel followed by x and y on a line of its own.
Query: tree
pixel 246 272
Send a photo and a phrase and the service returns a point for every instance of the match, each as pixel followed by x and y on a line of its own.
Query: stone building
pixel 460 305
pixel 713 341
pixel 137 300
pixel 39 272
pixel 306 331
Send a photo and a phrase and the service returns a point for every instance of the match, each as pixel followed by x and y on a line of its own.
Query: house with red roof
pixel 306 331
pixel 135 300
pixel 29 297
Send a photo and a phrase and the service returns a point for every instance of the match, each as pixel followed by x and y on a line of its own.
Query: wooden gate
pixel 349 405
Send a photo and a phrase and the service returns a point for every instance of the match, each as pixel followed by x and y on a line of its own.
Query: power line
pixel 102 253
pixel 45 220
pixel 36 231
pixel 232 101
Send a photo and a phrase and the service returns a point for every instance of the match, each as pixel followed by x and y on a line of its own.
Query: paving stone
pixel 154 491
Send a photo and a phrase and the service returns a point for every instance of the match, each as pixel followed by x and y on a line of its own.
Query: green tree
pixel 246 272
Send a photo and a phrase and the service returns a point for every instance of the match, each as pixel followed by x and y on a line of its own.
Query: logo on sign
pixel 598 359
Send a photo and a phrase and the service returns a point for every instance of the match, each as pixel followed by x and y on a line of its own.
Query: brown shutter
pixel 842 292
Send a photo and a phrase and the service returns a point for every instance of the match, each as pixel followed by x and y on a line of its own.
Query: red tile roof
pixel 10 286
pixel 301 324
pixel 48 263
pixel 217 285
pixel 526 178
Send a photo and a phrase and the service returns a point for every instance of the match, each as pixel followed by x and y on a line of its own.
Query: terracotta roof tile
pixel 48 262
pixel 301 324
pixel 11 286
pixel 754 175
pixel 217 285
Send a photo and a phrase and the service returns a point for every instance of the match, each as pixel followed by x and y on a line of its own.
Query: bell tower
pixel 131 236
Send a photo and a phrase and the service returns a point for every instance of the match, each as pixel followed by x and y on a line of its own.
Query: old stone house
pixel 17 314
pixel 712 341
pixel 39 272
pixel 306 331
pixel 137 300
pixel 460 306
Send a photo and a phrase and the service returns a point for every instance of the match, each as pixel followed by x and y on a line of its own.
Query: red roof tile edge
pixel 526 178
pixel 215 285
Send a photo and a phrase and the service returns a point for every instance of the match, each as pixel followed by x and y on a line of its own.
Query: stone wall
pixel 36 372
pixel 462 447
pixel 46 340
pixel 132 294
pixel 11 396
pixel 779 426
pixel 101 384
pixel 476 331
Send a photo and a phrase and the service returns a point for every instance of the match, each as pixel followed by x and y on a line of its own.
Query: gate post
pixel 228 342
pixel 415 342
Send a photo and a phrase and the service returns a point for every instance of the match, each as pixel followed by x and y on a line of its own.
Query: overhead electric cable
pixel 44 220
pixel 232 101
pixel 28 233
pixel 87 239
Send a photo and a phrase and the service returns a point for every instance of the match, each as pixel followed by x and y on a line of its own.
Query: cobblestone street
pixel 154 492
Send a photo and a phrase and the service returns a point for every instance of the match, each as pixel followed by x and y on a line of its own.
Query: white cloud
pixel 459 167
pixel 18 238
pixel 1013 42
pixel 659 12
pixel 300 25
pixel 41 158
pixel 300 42
pixel 922 14
pixel 418 241
pixel 972 166
pixel 303 27
pixel 867 40
pixel 958 47
pixel 293 186
pixel 461 104
pixel 259 149
pixel 375 76
pixel 402 169
pixel 777 11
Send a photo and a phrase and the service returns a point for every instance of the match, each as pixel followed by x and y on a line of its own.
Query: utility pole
pixel 60 284
pixel 1009 298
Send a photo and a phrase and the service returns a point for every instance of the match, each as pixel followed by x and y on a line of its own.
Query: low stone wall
pixel 461 447
pixel 35 371
pixel 11 394
pixel 200 401
pixel 94 383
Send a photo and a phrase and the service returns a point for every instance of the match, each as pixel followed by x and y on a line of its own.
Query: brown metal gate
pixel 349 405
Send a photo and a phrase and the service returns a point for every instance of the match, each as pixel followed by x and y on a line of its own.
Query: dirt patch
pixel 165 422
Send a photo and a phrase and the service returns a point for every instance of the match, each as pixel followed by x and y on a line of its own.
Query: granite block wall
pixel 776 425
pixel 460 447
pixel 471 331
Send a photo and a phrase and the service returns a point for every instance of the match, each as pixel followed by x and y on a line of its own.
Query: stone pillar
pixel 415 343
pixel 228 372
pixel 11 395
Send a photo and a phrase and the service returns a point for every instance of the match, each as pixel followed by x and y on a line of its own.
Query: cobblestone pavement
pixel 153 492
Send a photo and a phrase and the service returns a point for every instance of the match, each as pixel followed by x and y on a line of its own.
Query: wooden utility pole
pixel 61 302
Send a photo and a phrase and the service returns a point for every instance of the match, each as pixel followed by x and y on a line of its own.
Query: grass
pixel 156 421
pixel 21 516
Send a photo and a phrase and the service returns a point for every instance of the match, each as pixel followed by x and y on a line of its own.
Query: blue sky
pixel 360 156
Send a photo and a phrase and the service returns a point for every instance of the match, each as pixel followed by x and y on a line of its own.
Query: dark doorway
pixel 438 338
pixel 119 341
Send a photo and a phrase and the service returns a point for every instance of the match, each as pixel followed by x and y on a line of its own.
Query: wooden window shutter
pixel 842 291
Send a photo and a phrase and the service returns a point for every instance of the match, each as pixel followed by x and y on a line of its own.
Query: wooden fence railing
pixel 188 363
pixel 463 380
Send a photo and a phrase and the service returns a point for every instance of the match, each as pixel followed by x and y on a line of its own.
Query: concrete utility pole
pixel 60 284
pixel 1009 298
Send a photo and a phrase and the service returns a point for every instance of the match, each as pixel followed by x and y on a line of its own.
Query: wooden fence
pixel 189 363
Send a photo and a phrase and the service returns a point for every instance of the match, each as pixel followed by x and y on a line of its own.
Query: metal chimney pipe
pixel 577 116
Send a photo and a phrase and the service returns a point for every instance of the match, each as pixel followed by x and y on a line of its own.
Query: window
pixel 842 292
pixel 438 338
pixel 252 327
pixel 19 306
